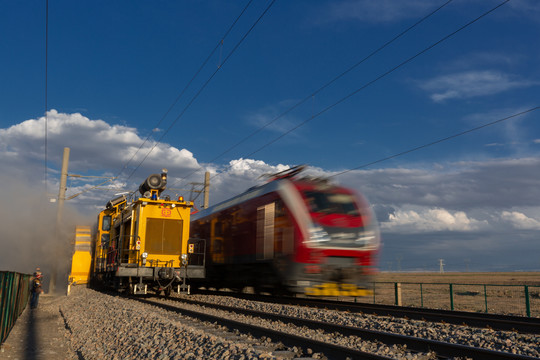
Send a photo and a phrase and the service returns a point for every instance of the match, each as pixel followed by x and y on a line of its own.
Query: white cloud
pixel 470 84
pixel 520 221
pixel 431 220
pixel 95 145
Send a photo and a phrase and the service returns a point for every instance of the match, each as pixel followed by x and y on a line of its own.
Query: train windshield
pixel 331 203
pixel 339 222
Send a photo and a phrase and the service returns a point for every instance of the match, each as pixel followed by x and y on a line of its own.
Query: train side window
pixel 106 223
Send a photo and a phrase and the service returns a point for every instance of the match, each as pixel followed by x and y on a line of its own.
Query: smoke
pixel 30 238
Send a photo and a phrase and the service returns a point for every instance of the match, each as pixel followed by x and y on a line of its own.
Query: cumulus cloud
pixel 496 184
pixel 470 84
pixel 430 220
pixel 95 146
pixel 520 221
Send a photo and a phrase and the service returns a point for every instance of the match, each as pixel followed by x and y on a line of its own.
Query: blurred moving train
pixel 292 234
pixel 144 244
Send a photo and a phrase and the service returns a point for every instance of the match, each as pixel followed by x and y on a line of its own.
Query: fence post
pixel 485 297
pixel 397 290
pixel 421 296
pixel 374 285
pixel 527 301
pixel 451 297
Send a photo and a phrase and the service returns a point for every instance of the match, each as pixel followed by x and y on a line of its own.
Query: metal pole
pixel 60 209
pixel 452 297
pixel 397 290
pixel 527 301
pixel 485 297
pixel 206 189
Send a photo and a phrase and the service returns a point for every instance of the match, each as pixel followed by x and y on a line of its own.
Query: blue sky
pixel 115 71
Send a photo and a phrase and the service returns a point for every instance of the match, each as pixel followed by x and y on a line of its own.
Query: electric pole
pixel 59 211
pixel 441 266
pixel 206 189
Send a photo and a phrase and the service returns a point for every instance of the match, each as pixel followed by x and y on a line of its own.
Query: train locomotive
pixel 144 245
pixel 291 235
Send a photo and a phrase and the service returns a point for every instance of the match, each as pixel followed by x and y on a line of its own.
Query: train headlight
pixel 366 238
pixel 184 259
pixel 317 235
pixel 144 255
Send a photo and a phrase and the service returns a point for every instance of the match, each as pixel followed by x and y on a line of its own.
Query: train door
pixel 216 241
pixel 284 231
pixel 125 236
pixel 265 232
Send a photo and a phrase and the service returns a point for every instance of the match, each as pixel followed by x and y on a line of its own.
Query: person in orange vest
pixel 35 290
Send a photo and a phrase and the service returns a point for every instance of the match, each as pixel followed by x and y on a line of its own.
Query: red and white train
pixel 292 234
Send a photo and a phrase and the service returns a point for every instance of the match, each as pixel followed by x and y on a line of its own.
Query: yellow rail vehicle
pixel 82 256
pixel 145 245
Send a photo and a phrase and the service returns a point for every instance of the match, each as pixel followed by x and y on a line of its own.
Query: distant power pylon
pixel 441 266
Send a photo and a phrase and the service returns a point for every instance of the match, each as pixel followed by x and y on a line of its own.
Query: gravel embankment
pixel 112 327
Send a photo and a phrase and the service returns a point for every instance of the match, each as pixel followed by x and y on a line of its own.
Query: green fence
pixel 14 295
pixel 519 300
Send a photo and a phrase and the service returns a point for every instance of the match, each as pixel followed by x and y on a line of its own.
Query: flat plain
pixel 511 293
pixel 493 278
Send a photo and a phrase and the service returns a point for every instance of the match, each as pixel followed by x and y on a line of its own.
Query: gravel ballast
pixel 113 327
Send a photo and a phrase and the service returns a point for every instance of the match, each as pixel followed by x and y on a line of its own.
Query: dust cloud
pixel 29 237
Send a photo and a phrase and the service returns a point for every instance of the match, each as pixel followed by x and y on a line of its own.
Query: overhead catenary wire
pixel 46 91
pixel 219 45
pixel 369 83
pixel 203 86
pixel 436 141
pixel 327 84
pixel 383 75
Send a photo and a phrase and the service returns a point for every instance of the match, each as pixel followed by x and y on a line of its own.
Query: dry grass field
pixel 499 293
pixel 511 278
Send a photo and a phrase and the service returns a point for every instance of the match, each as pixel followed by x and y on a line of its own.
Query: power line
pixel 375 80
pixel 46 86
pixel 203 86
pixel 332 81
pixel 218 45
pixel 438 141
pixel 327 84
pixel 378 78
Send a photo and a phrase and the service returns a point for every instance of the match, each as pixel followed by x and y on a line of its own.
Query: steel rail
pixel 414 344
pixel 330 350
pixel 493 321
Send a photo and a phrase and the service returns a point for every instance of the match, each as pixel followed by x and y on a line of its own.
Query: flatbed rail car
pixel 144 245
pixel 293 234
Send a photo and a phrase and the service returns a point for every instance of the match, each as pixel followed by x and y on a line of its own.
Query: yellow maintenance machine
pixel 82 256
pixel 144 244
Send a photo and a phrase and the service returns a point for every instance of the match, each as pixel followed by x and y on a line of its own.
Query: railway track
pixel 278 326
pixel 481 320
